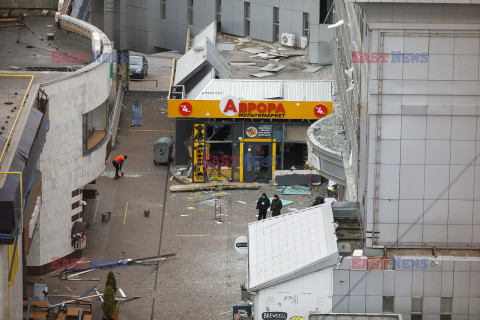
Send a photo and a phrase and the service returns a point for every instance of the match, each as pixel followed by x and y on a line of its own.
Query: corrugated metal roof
pixel 291 245
pixel 287 90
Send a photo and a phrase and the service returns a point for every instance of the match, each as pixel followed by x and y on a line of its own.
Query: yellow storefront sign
pixel 232 107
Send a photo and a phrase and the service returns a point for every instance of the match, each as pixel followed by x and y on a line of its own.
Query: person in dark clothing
pixel 262 206
pixel 318 200
pixel 276 206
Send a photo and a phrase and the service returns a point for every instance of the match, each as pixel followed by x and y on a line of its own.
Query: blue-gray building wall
pixel 147 32
pixel 362 291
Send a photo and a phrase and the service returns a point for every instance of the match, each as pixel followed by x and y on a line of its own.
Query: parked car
pixel 138 66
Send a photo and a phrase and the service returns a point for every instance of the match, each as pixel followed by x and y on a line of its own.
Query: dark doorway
pixel 294 155
pixel 257 162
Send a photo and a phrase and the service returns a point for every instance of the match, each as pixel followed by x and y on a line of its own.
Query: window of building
pixel 95 126
pixel 247 18
pixel 387 304
pixel 305 25
pixel 276 24
pixel 326 14
pixel 445 308
pixel 219 14
pixel 417 308
pixel 190 12
pixel 163 9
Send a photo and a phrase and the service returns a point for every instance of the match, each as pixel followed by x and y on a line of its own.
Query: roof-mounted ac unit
pixel 288 39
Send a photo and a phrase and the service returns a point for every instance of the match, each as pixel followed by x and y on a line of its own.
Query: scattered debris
pixel 225 46
pixel 240 41
pixel 252 50
pixel 14 68
pixel 44 13
pixel 272 67
pixel 214 185
pixel 241 202
pixel 241 63
pixel 50 36
pixel 88 291
pixel 149 261
pixel 311 69
pixel 293 53
pixel 99 295
pixel 274 56
pixel 294 190
pixel 262 74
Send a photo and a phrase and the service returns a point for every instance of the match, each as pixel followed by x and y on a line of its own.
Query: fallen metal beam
pixel 99 295
pixel 88 291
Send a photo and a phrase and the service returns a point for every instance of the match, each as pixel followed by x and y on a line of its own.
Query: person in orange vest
pixel 117 163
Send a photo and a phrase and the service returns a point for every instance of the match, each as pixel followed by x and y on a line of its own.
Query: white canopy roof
pixel 291 245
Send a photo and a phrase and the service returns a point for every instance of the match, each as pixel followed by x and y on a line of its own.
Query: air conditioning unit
pixel 303 42
pixel 288 39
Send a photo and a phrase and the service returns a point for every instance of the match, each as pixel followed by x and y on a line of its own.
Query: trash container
pixel 162 151
pixel 106 216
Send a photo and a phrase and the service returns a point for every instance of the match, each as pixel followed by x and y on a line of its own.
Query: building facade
pixel 407 77
pixel 21 183
pixel 76 150
pixel 151 25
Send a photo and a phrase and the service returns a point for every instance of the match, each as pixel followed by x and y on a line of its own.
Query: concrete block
pixel 295 177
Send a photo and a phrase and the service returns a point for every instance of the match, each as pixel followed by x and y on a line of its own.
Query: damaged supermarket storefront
pixel 244 130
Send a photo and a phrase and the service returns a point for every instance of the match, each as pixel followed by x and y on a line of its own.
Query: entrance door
pixel 257 161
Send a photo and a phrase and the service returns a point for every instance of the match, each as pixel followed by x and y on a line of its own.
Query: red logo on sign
pixel 320 110
pixel 185 108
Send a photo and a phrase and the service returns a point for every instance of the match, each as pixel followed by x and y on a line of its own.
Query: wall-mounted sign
pixel 263 131
pixel 241 245
pixel 232 107
pixel 251 132
pixel 274 316
pixel 185 108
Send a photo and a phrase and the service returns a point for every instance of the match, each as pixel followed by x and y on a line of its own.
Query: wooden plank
pixel 39 304
pixel 35 315
pixel 72 311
